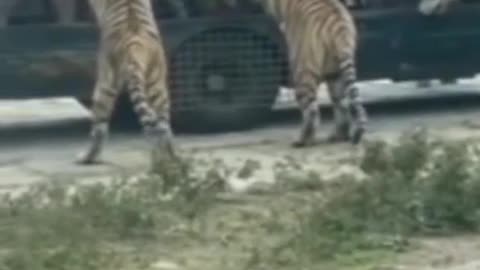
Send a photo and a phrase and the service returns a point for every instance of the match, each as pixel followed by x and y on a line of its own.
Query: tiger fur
pixel 130 58
pixel 321 38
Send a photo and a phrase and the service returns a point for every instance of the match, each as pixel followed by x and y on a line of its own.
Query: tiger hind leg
pixel 341 114
pixel 155 123
pixel 162 134
pixel 307 101
pixel 360 115
pixel 103 104
pixel 350 98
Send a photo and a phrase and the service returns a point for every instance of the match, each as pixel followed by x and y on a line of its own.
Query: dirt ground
pixel 29 163
pixel 46 158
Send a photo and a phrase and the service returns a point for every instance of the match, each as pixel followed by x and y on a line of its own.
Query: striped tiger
pixel 130 58
pixel 322 39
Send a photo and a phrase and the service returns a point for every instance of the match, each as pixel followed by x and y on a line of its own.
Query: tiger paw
pixel 357 135
pixel 303 143
pixel 86 158
pixel 337 137
pixel 298 144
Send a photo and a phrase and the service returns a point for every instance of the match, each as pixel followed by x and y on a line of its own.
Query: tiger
pixel 321 38
pixel 130 58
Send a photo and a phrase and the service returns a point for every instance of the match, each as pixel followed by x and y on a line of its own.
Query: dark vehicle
pixel 226 64
pixel 400 43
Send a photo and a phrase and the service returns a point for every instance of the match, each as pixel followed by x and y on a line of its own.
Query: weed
pixel 60 226
pixel 418 186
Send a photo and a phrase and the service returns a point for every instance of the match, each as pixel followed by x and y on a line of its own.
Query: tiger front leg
pixel 102 108
pixel 308 104
pixel 104 98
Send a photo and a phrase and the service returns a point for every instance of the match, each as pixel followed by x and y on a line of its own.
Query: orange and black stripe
pixel 131 58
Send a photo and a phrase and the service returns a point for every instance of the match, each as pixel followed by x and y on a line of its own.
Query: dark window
pixel 164 9
pixel 32 11
pixel 84 13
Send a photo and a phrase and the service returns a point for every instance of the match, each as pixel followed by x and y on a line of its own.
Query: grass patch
pixel 419 186
pixel 98 226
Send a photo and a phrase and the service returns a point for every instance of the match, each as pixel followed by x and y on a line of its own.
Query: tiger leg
pixel 341 114
pixel 360 114
pixel 161 133
pixel 306 97
pixel 156 126
pixel 104 99
pixel 347 81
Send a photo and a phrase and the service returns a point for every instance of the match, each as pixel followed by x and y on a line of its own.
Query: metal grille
pixel 231 66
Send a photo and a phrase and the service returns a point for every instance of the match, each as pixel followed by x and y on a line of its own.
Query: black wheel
pixel 225 79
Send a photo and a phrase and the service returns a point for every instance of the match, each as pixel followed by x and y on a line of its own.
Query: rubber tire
pixel 252 84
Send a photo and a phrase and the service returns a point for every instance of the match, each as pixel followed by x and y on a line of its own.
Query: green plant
pixel 415 187
pixel 418 186
pixel 63 226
